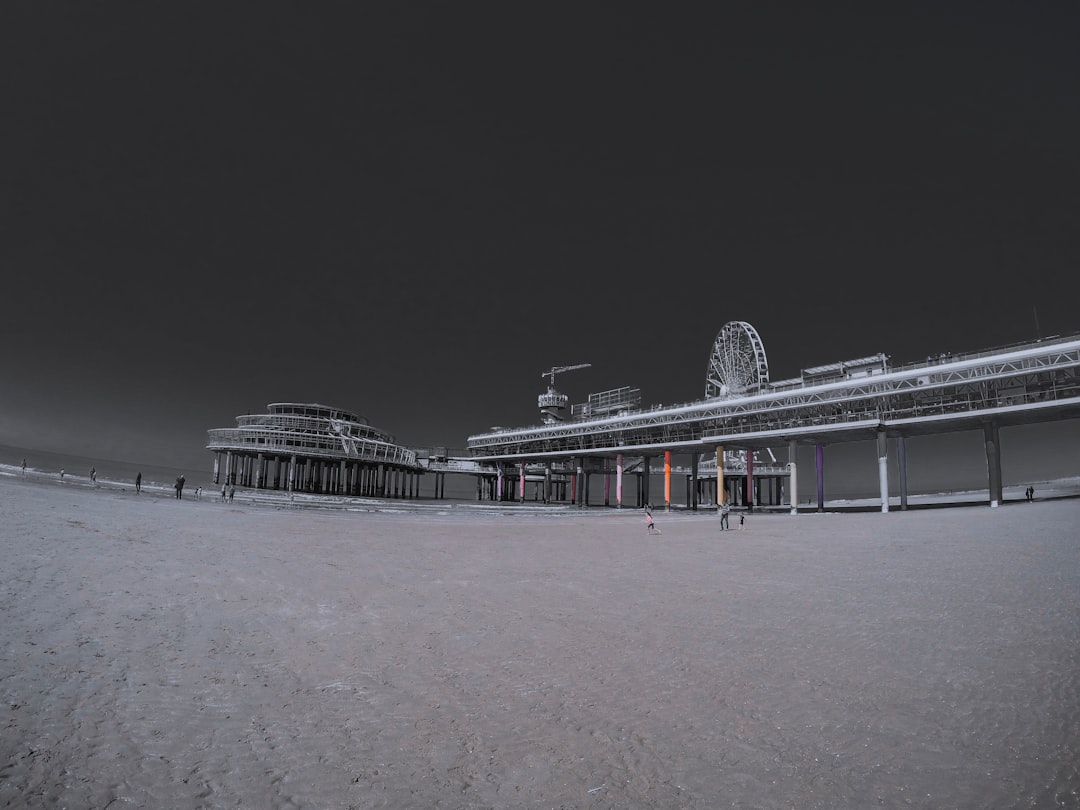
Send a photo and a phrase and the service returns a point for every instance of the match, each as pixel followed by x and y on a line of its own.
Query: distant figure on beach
pixel 650 524
pixel 61 474
pixel 198 493
pixel 24 466
pixel 93 473
pixel 180 487
pixel 232 492
pixel 1029 493
pixel 224 492
pixel 725 510
pixel 138 483
pixel 742 521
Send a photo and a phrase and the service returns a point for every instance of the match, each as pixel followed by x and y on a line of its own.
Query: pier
pixel 728 436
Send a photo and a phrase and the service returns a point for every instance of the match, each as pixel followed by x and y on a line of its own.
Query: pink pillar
pixel 618 481
pixel 521 482
pixel 750 480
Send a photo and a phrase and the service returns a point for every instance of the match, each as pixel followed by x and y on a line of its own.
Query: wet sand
pixel 192 654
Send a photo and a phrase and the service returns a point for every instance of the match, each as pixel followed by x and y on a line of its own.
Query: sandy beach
pixel 192 654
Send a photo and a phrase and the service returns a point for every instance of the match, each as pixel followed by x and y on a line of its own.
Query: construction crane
pixel 560 369
pixel 553 403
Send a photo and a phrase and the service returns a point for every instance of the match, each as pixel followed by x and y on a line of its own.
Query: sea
pixel 46 462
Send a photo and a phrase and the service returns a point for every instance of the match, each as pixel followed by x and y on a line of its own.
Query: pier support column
pixel 618 481
pixel 607 482
pixel 993 461
pixel 819 468
pixel 217 465
pixel 883 468
pixel 901 461
pixel 694 477
pixel 579 485
pixel 749 480
pixel 667 480
pixel 645 476
pixel 721 486
pixel 521 482
pixel 793 455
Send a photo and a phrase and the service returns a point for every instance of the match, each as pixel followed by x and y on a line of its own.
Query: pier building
pixel 306 447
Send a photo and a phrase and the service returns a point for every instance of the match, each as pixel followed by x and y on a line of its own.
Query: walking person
pixel 179 487
pixel 24 467
pixel 93 474
pixel 725 510
pixel 232 492
pixel 224 492
pixel 650 524
pixel 138 483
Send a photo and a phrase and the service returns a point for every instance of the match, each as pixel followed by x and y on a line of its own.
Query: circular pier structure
pixel 305 447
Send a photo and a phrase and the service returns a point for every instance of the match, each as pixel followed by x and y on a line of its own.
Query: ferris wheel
pixel 737 364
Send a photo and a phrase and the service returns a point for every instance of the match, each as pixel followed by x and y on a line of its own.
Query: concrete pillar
pixel 721 488
pixel 618 481
pixel 694 477
pixel 667 480
pixel 901 461
pixel 521 482
pixel 993 461
pixel 819 466
pixel 217 465
pixel 883 468
pixel 749 480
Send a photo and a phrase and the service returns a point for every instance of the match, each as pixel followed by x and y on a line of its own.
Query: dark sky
pixel 412 210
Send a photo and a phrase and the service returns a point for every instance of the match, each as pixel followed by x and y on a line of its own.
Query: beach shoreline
pixel 208 491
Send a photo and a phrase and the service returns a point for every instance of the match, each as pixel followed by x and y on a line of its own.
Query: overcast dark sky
pixel 412 210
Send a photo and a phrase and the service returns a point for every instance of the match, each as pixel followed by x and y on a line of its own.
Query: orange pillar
pixel 667 480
